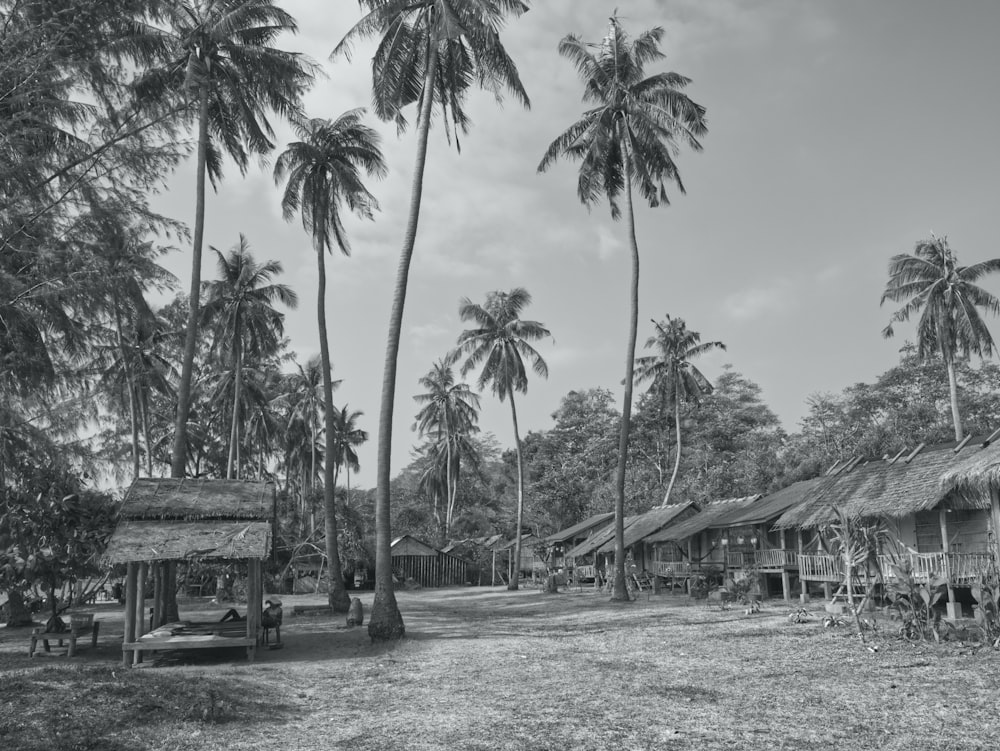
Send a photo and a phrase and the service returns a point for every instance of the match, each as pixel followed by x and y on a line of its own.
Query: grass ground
pixel 488 669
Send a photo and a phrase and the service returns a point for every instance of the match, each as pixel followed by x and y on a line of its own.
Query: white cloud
pixel 758 302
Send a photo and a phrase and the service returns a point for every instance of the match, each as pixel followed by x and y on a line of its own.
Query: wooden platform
pixel 194 635
pixel 71 636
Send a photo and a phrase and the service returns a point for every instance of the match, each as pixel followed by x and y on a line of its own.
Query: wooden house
pixel 755 547
pixel 696 544
pixel 931 501
pixel 637 534
pixel 569 538
pixel 533 561
pixel 163 522
pixel 426 565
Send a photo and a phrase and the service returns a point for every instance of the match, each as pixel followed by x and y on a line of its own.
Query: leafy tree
pixel 429 52
pixel 500 343
pixel 931 282
pixel 324 171
pixel 450 411
pixel 218 56
pixel 674 377
pixel 572 465
pixel 51 533
pixel 239 306
pixel 629 138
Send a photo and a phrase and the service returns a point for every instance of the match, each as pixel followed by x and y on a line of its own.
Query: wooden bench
pixel 72 636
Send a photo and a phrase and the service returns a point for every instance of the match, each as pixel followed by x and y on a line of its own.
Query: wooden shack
pixel 166 521
pixel 426 565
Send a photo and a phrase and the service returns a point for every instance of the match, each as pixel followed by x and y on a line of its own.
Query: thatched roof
pixel 652 521
pixel 178 540
pixel 597 539
pixel 771 505
pixel 161 498
pixel 710 515
pixel 894 488
pixel 976 474
pixel 578 529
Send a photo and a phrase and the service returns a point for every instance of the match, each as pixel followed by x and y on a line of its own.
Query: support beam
pixel 786 579
pixel 130 586
pixel 140 608
pixel 954 608
pixel 995 522
pixel 803 585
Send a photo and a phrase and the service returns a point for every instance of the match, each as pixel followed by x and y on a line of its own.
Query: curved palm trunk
pixel 677 459
pixel 953 392
pixel 386 622
pixel 516 568
pixel 234 429
pixel 338 599
pixel 178 458
pixel 619 590
pixel 146 439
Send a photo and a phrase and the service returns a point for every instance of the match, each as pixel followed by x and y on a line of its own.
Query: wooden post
pixel 254 598
pixel 803 584
pixel 954 608
pixel 786 579
pixel 158 598
pixel 140 608
pixel 130 577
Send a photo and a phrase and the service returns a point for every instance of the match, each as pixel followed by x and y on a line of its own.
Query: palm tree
pixel 239 307
pixel 500 343
pixel 450 410
pixel 324 171
pixel 673 375
pixel 303 401
pixel 628 139
pixel 430 51
pixel 346 436
pixel 948 299
pixel 218 56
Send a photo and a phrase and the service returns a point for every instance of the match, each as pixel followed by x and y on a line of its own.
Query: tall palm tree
pixel 627 140
pixel 500 344
pixel 450 411
pixel 430 51
pixel 948 299
pixel 674 377
pixel 324 171
pixel 239 306
pixel 218 55
pixel 303 403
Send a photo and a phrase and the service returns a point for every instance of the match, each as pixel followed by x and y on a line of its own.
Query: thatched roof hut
pixel 976 474
pixel 772 505
pixel 166 520
pixel 580 529
pixel 897 487
pixel 597 539
pixel 712 514
pixel 651 522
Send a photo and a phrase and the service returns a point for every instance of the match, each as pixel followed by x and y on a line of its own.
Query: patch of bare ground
pixel 491 669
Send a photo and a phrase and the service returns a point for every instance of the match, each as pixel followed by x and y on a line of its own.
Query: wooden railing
pixel 670 569
pixel 739 559
pixel 776 558
pixel 819 567
pixel 959 568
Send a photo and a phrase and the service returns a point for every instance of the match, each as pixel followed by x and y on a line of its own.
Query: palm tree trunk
pixel 147 441
pixel 516 569
pixel 619 590
pixel 386 622
pixel 130 385
pixel 234 430
pixel 337 597
pixel 178 458
pixel 953 392
pixel 447 478
pixel 677 424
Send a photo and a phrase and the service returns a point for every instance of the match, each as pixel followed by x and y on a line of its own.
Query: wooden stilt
pixel 786 579
pixel 130 586
pixel 803 585
pixel 140 608
pixel 157 595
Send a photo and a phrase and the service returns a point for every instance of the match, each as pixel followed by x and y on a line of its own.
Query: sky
pixel 840 134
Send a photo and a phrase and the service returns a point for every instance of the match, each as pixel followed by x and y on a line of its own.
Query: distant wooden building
pixel 426 565
pixel 166 521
